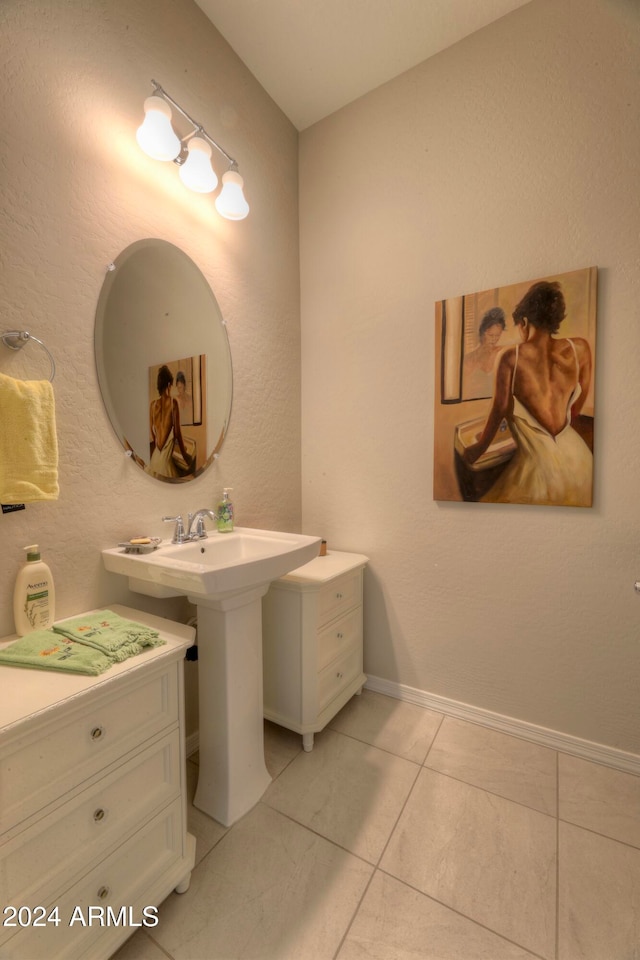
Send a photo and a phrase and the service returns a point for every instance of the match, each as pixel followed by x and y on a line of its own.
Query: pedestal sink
pixel 225 575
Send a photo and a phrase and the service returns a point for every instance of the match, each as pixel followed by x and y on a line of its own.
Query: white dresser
pixel 312 642
pixel 92 801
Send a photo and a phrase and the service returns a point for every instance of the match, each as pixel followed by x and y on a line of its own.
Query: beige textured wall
pixel 74 191
pixel 510 156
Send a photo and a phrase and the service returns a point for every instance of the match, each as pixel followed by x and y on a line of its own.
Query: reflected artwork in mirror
pixel 163 361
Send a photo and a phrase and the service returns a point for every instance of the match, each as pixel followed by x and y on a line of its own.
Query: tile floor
pixel 406 835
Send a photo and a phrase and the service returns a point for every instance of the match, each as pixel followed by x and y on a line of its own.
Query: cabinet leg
pixel 183 886
pixel 307 742
pixel 358 692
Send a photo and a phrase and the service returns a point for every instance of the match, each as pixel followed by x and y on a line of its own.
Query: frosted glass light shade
pixel 231 203
pixel 156 136
pixel 196 172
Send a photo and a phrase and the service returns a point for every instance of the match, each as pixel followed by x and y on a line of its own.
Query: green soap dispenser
pixel 225 512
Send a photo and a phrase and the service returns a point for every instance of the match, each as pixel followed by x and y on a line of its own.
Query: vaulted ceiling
pixel 315 56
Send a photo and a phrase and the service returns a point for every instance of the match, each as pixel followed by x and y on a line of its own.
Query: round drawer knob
pixel 338 596
pixel 97 733
pixel 103 893
pixel 339 676
pixel 99 815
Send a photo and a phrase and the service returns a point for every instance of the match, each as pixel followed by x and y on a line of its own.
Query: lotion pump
pixel 34 596
pixel 225 512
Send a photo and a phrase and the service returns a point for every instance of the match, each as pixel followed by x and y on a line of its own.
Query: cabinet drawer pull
pixel 99 814
pixel 103 893
pixel 97 733
pixel 339 675
pixel 338 596
pixel 339 636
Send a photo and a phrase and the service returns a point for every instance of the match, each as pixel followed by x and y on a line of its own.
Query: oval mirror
pixel 163 360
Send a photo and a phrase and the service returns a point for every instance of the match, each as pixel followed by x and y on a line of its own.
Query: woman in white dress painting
pixel 164 425
pixel 541 386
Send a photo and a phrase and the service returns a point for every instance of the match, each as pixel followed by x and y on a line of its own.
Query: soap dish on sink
pixel 144 545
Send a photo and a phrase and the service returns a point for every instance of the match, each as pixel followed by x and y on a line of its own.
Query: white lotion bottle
pixel 34 596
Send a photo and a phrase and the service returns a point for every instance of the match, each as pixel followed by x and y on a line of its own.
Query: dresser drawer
pixel 339 596
pixel 338 637
pixel 114 884
pixel 334 678
pixel 89 825
pixel 55 757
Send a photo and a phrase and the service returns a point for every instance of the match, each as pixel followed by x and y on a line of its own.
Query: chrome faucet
pixel 195 526
pixel 178 533
pixel 196 529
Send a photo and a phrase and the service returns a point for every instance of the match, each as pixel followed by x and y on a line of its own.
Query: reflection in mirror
pixel 163 360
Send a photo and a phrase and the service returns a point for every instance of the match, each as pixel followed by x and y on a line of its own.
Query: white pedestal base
pixel 233 775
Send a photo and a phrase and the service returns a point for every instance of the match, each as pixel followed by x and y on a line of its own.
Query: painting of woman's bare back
pixel 514 408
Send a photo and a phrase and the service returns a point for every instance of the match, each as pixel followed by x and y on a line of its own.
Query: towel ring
pixel 16 339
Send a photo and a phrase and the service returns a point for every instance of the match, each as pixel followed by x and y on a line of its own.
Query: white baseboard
pixel 563 742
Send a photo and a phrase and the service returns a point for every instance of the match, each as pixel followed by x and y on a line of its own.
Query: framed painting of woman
pixel 514 406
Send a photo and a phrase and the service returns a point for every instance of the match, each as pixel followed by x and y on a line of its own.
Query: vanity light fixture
pixel 192 153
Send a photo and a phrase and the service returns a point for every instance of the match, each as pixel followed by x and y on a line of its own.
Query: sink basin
pixel 218 566
pixel 225 575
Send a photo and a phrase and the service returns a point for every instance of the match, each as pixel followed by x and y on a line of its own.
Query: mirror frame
pixel 155 278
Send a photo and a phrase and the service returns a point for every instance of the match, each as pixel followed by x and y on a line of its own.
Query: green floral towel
pixel 46 650
pixel 110 633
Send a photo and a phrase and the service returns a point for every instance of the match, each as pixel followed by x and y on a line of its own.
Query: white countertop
pixel 26 692
pixel 321 569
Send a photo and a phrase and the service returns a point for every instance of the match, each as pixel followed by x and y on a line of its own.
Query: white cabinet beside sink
pixel 94 801
pixel 312 642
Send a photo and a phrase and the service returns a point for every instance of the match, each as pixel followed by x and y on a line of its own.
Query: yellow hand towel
pixel 28 442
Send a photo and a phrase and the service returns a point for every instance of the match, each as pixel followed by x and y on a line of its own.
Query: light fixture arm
pixel 198 129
